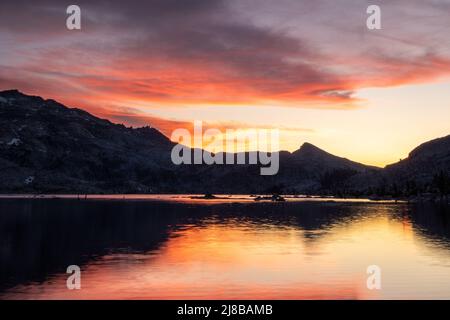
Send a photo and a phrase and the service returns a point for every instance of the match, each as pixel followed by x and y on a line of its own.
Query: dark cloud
pixel 207 50
pixel 335 93
pixel 50 15
pixel 200 33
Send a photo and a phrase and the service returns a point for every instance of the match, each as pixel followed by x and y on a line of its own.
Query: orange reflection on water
pixel 236 258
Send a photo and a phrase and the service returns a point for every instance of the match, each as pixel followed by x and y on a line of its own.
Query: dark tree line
pixel 337 183
pixel 441 183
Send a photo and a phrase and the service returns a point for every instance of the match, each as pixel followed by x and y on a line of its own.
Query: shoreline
pixel 200 198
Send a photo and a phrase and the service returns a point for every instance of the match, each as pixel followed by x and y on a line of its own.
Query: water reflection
pixel 158 250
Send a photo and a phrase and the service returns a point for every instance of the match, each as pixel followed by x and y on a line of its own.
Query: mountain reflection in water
pixel 136 249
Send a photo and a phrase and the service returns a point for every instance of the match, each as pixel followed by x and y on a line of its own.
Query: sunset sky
pixel 310 68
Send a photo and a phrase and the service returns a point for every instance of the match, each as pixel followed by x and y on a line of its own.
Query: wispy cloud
pixel 311 54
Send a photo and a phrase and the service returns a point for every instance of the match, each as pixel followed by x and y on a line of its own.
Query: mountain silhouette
pixel 309 154
pixel 46 147
pixel 424 165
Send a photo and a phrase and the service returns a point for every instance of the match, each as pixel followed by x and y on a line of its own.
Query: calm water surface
pixel 181 249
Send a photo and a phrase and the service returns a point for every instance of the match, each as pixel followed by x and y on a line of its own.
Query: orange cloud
pixel 177 55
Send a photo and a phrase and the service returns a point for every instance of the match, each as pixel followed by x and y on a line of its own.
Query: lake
pixel 165 247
